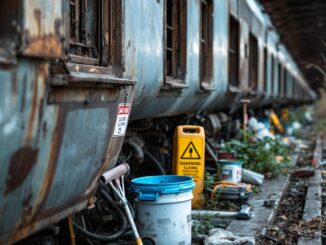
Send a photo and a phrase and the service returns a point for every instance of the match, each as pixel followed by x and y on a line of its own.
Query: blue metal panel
pixel 27 137
pixel 83 147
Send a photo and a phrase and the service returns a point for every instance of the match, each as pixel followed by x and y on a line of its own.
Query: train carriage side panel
pixel 56 127
pixel 145 51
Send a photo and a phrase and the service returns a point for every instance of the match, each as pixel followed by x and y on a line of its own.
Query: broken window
pixel 206 41
pixel 272 74
pixel 175 39
pixel 264 86
pixel 280 78
pixel 233 51
pixel 285 81
pixel 253 62
pixel 95 32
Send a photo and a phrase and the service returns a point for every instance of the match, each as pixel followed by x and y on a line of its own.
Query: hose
pixel 107 237
pixel 155 161
pixel 137 151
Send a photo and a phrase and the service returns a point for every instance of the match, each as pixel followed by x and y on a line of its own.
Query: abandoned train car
pixel 71 70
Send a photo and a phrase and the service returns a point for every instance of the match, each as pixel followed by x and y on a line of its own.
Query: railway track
pixel 298 217
pixel 290 209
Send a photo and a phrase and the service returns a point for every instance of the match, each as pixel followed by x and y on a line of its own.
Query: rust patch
pixel 27 209
pixel 57 26
pixel 52 164
pixel 14 88
pixel 43 46
pixel 23 97
pixel 21 164
pixel 44 129
pixel 40 118
pixel 38 16
pixel 33 112
pixel 14 83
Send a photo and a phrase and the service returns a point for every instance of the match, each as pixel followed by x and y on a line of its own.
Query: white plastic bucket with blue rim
pixel 231 170
pixel 163 208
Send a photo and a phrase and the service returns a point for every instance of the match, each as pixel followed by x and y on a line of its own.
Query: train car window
pixel 95 32
pixel 293 87
pixel 234 43
pixel 285 82
pixel 280 79
pixel 272 74
pixel 206 41
pixel 253 62
pixel 264 86
pixel 175 39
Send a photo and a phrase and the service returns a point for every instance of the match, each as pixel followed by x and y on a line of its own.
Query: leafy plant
pixel 260 155
pixel 209 182
pixel 202 224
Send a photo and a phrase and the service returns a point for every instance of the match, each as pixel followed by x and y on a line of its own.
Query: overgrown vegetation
pixel 202 224
pixel 209 183
pixel 266 156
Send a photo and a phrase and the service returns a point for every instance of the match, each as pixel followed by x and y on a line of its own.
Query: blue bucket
pixel 151 187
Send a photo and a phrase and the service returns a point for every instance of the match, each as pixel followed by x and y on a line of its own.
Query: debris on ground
pixel 309 228
pixel 223 237
pixel 284 230
pixel 304 172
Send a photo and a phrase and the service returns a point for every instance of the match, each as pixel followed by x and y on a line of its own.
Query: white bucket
pixel 163 209
pixel 231 170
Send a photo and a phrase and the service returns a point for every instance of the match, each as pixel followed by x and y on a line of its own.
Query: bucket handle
pixel 148 196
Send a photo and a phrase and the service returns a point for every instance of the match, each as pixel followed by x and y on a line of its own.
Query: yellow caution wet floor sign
pixel 189 157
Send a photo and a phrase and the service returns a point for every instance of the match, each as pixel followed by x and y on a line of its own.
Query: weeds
pixel 263 156
pixel 202 224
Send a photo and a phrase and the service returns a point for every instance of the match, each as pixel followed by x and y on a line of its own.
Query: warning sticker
pixel 122 120
pixel 190 161
pixel 190 152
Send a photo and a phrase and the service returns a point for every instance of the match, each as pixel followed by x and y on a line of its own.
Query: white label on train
pixel 122 120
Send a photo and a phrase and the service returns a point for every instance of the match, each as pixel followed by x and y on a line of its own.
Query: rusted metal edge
pixel 234 89
pixel 79 78
pixel 272 216
pixel 174 84
pixel 38 225
pixel 8 61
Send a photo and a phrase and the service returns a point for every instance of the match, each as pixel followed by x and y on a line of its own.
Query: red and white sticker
pixel 122 120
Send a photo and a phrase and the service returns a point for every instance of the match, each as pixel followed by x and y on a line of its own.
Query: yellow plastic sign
pixel 276 122
pixel 189 157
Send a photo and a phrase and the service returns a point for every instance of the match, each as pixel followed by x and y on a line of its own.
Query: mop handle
pixel 114 173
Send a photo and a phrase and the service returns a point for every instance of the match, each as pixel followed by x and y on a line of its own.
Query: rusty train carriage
pixel 58 111
pixel 65 66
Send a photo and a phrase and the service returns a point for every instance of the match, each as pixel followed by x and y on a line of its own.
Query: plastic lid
pixel 149 188
pixel 230 162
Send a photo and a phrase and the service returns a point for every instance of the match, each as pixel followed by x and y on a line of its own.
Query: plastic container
pixel 231 170
pixel 163 208
pixel 224 155
pixel 189 157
